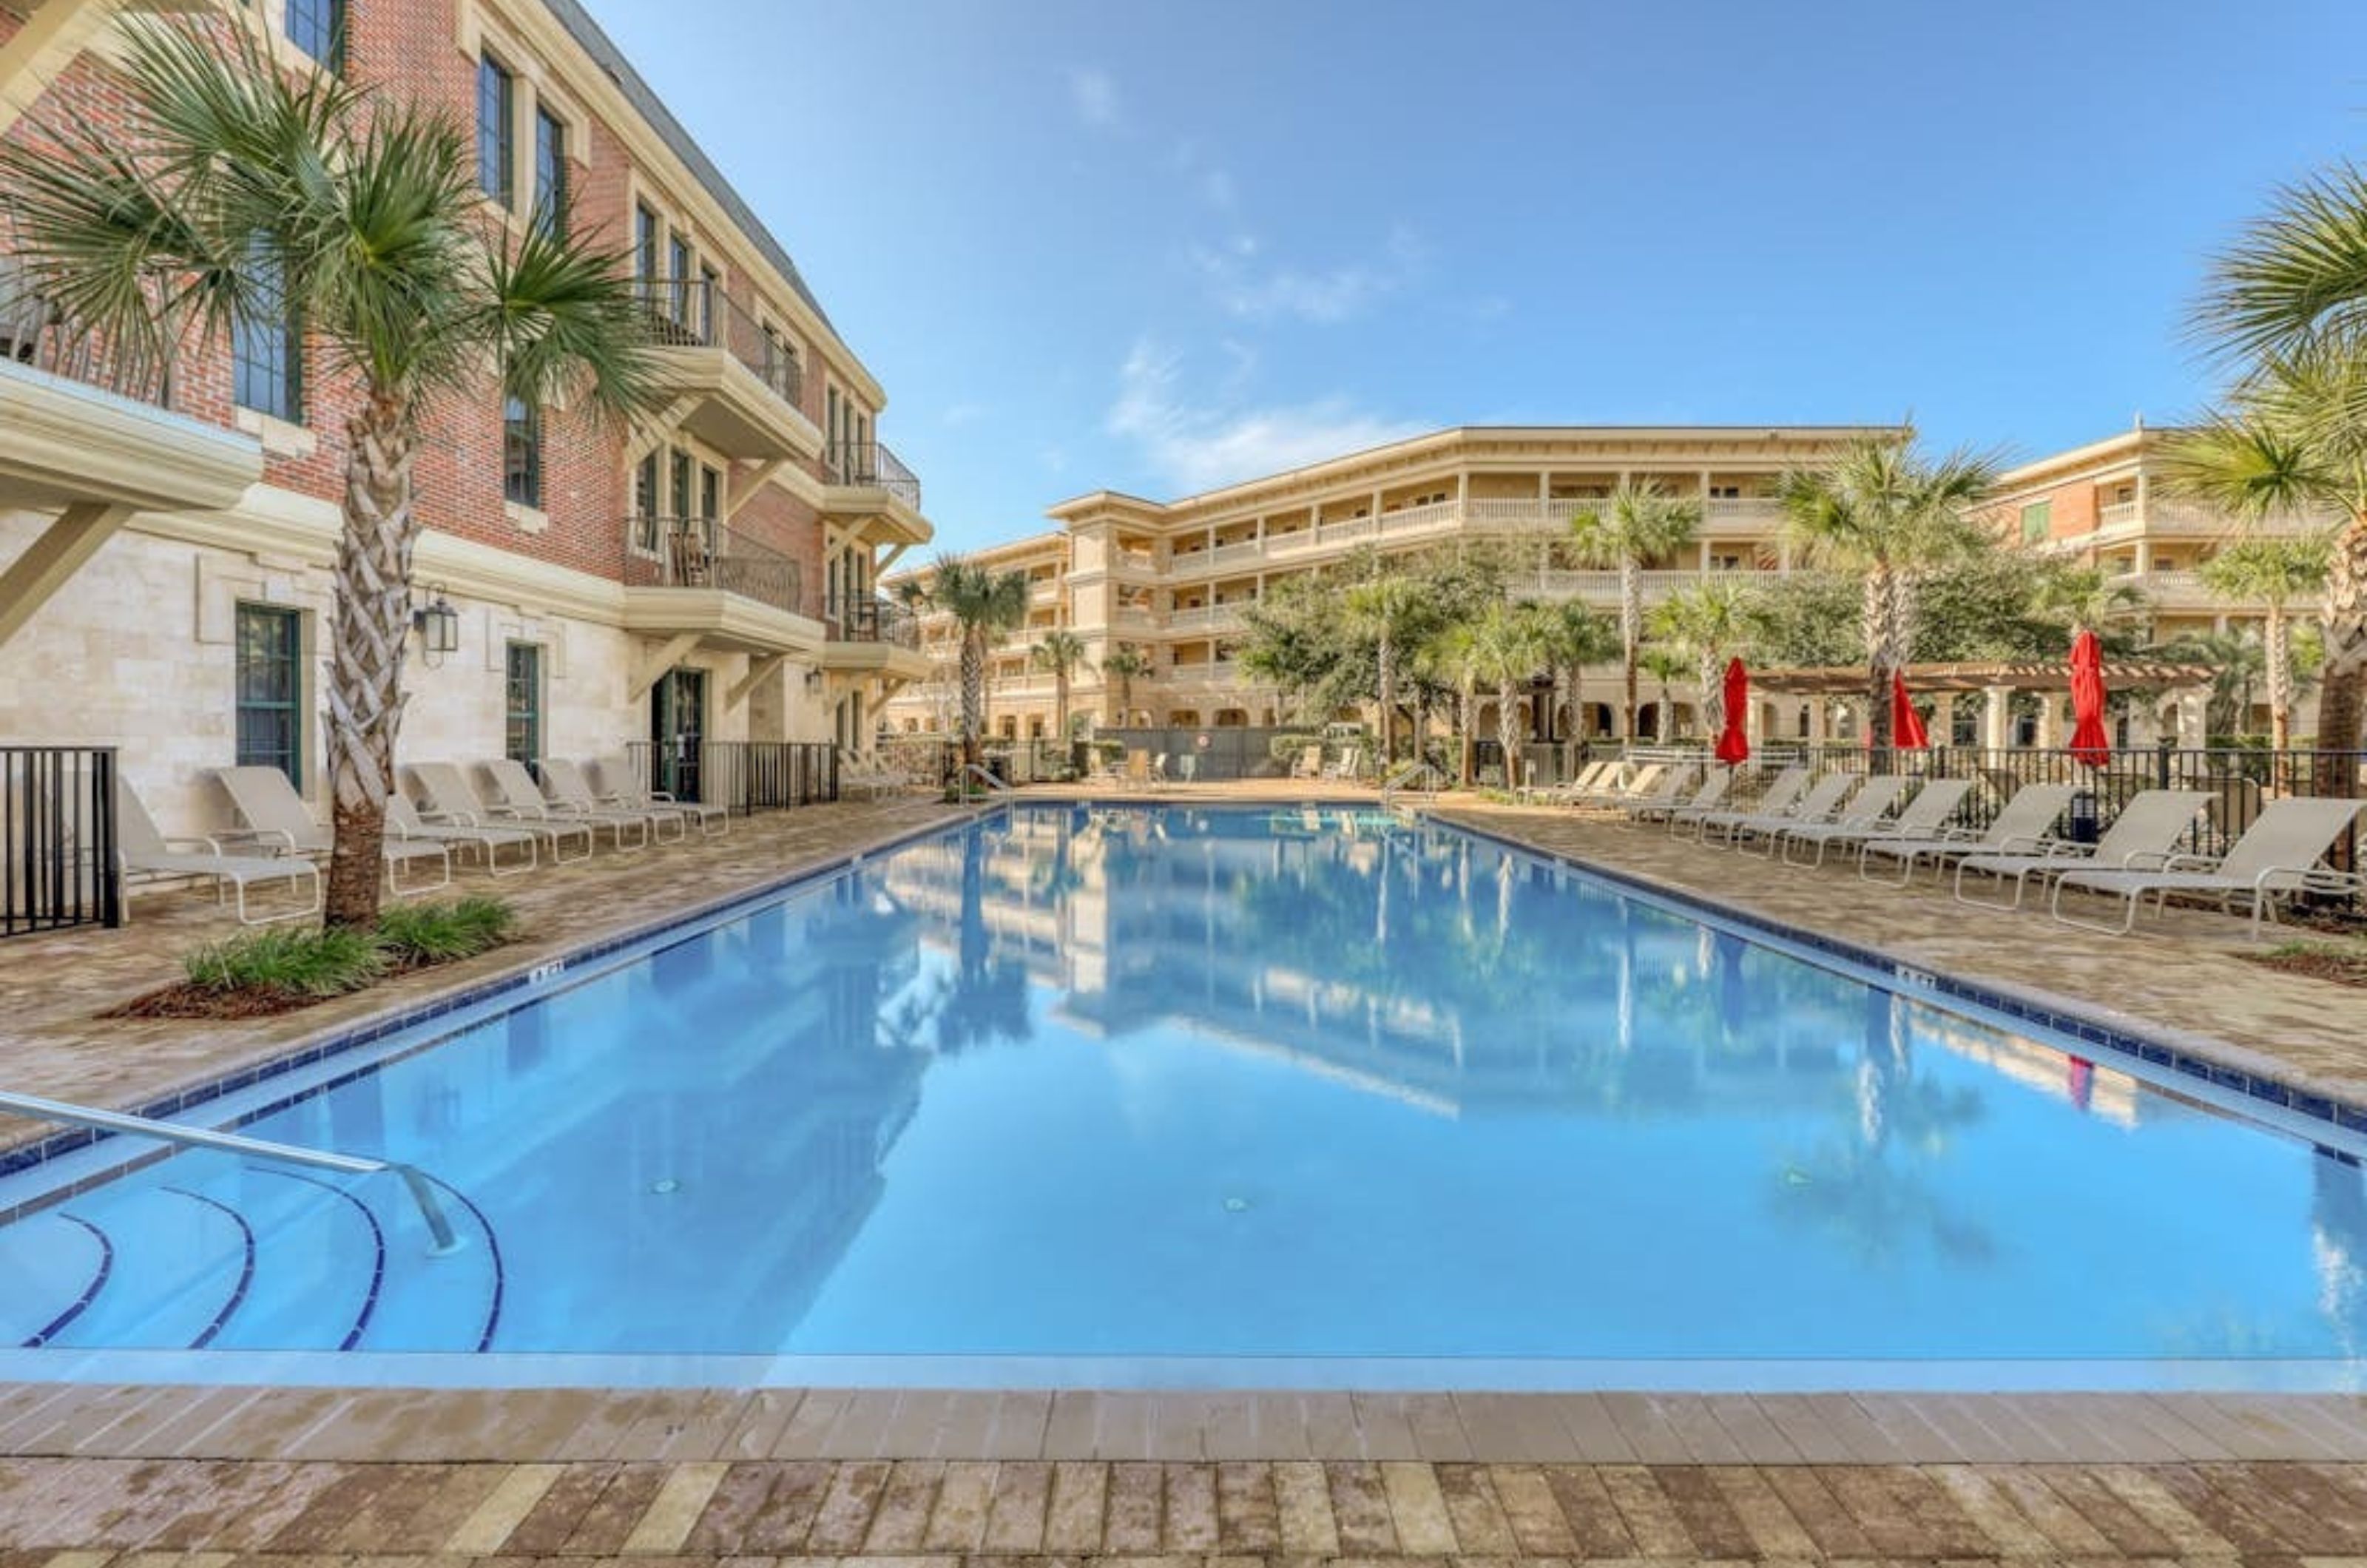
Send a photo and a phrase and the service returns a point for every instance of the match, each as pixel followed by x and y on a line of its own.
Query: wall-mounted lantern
pixel 438 626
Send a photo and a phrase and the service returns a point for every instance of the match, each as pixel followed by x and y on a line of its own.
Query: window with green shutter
pixel 2037 521
pixel 522 703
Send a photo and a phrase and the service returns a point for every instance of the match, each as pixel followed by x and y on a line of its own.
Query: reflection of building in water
pixel 2338 1225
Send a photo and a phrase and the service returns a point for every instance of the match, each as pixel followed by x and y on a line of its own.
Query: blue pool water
pixel 1238 1097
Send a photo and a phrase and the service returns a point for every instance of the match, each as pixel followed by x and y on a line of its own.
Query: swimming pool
pixel 1100 1096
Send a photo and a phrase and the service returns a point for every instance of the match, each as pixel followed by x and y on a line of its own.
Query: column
pixel 2193 715
pixel 1997 718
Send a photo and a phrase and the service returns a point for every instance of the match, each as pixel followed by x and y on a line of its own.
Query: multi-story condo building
pixel 2109 506
pixel 1170 580
pixel 165 543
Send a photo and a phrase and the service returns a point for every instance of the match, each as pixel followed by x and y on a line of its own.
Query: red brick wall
pixel 406 47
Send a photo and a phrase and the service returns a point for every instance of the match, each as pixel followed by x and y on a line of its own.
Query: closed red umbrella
pixel 2089 744
pixel 1733 740
pixel 1905 724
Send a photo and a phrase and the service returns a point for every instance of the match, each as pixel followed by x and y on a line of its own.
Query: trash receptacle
pixel 2083 816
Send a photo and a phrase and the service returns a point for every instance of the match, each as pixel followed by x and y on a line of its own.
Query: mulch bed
pixel 2343 966
pixel 184 999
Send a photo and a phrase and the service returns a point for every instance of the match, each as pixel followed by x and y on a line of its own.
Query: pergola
pixel 1997 681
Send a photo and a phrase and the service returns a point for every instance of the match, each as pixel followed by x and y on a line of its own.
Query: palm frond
pixel 2297 276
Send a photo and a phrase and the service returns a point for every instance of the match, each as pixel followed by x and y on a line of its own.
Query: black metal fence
pixel 58 866
pixel 1216 754
pixel 755 775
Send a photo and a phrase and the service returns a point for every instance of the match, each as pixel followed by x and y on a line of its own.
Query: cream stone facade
pixel 1171 578
pixel 727 548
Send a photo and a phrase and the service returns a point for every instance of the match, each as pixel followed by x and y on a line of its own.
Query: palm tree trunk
pixel 1881 664
pixel 1466 718
pixel 373 615
pixel 1508 732
pixel 1060 705
pixel 1631 634
pixel 973 691
pixel 2342 690
pixel 1713 694
pixel 2278 650
pixel 1389 684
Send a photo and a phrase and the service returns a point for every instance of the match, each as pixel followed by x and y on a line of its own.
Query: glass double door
pixel 677 728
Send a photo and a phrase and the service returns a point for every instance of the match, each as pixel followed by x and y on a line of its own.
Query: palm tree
pixel 1062 653
pixel 1708 621
pixel 2290 443
pixel 1391 610
pixel 1642 521
pixel 988 605
pixel 232 189
pixel 1575 637
pixel 2085 599
pixel 1125 664
pixel 1502 647
pixel 1885 514
pixel 2273 571
pixel 1665 664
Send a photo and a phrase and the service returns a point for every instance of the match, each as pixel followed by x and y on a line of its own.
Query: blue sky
pixel 1156 248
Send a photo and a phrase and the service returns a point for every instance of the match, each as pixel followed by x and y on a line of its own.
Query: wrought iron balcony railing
pixel 699 552
pixel 872 620
pixel 696 312
pixel 33 333
pixel 870 463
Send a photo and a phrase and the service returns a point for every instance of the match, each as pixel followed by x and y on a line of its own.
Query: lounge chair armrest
pixel 2314 878
pixel 2188 862
pixel 213 844
pixel 2162 861
pixel 2064 849
pixel 278 839
pixel 455 818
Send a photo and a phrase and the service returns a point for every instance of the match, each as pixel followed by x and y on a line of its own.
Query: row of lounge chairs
pixel 445 814
pixel 1894 824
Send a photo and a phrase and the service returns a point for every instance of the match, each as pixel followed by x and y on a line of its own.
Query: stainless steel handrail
pixel 417 1181
pixel 973 770
pixel 1420 778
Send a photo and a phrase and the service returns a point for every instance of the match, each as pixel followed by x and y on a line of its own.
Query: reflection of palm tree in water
pixel 985 998
pixel 2337 1228
pixel 1868 1188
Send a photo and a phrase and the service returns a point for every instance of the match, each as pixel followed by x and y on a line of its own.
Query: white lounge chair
pixel 1933 805
pixel 142 849
pixel 1875 800
pixel 1591 776
pixel 514 792
pixel 564 783
pixel 1666 791
pixel 1819 803
pixel 403 821
pixel 2141 838
pixel 619 781
pixel 1625 783
pixel 1344 769
pixel 276 817
pixel 1309 764
pixel 1778 800
pixel 2277 858
pixel 2024 823
pixel 1713 791
pixel 446 796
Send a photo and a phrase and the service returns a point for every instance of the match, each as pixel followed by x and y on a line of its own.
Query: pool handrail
pixel 416 1181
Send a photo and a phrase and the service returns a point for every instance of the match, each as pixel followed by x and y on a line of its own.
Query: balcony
pixel 870 464
pixel 692 578
pixel 875 634
pixel 741 378
pixel 84 422
pixel 1205 617
pixel 1602 587
pixel 2179 591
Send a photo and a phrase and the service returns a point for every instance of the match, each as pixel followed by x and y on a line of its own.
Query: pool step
pixel 55 1265
pixel 184 1264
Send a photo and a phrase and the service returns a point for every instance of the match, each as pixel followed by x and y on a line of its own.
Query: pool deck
pixel 213 1476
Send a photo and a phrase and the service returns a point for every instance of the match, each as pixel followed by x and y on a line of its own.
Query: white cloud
pixel 1202 448
pixel 1324 298
pixel 1095 93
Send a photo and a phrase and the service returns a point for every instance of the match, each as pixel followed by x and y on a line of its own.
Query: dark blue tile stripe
pixel 377 1246
pixel 60 1323
pixel 1923 983
pixel 245 1267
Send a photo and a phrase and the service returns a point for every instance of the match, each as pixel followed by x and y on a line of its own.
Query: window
pixel 710 493
pixel 521 452
pixel 645 504
pixel 678 277
pixel 521 703
pixel 710 292
pixel 270 690
pixel 645 243
pixel 679 489
pixel 266 346
pixel 318 27
pixel 550 171
pixel 496 96
pixel 2037 521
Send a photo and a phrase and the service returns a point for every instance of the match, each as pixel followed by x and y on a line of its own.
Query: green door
pixel 678 724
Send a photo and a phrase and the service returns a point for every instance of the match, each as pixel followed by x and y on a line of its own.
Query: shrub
pixel 289 963
pixel 438 933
